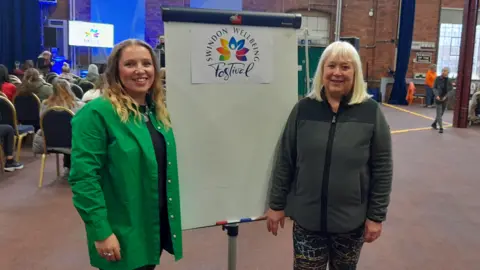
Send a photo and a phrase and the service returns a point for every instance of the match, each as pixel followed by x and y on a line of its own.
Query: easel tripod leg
pixel 232 232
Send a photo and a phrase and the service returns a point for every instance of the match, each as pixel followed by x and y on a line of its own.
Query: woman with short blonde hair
pixel 341 50
pixel 335 159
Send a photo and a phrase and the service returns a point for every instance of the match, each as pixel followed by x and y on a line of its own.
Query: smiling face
pixel 338 76
pixel 136 71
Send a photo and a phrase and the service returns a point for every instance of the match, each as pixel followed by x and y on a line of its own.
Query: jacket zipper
pixel 326 173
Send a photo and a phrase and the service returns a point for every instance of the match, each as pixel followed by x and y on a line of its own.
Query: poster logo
pixel 233 45
pixel 232 52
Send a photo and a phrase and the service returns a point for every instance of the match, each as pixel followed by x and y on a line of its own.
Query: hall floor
pixel 433 220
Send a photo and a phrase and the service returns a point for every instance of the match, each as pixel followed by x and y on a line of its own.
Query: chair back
pixel 28 108
pixel 8 115
pixel 86 85
pixel 77 90
pixel 50 76
pixel 56 126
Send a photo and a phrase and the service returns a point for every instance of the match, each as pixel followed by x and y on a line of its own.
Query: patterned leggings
pixel 315 250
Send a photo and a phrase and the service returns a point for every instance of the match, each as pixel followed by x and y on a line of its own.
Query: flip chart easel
pixel 231 84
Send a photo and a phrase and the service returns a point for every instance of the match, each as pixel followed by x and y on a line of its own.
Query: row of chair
pixel 55 124
pixel 8 116
pixel 78 86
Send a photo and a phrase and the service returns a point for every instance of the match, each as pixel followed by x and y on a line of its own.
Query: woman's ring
pixel 107 254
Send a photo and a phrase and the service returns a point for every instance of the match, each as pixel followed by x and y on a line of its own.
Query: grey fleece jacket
pixel 333 170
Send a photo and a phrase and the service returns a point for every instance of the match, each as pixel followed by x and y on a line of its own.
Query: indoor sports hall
pixel 431 223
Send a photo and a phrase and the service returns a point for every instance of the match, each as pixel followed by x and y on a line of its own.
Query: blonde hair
pixel 62 95
pixel 114 91
pixel 341 49
pixel 66 68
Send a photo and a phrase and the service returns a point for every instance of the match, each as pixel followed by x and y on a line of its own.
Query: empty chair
pixel 28 109
pixel 56 126
pixel 86 85
pixel 77 90
pixel 50 77
pixel 8 116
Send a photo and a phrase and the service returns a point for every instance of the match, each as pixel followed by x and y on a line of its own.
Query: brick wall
pixel 263 5
pixel 453 3
pixel 427 26
pixel 355 22
pixel 82 10
pixel 374 32
pixel 61 11
pixel 153 15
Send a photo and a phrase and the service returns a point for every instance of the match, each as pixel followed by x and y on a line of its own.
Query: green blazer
pixel 114 180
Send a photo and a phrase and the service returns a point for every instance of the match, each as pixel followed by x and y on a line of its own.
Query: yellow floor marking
pixel 412 113
pixel 415 129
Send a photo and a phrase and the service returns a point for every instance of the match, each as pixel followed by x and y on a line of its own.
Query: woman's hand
pixel 372 230
pixel 273 219
pixel 109 248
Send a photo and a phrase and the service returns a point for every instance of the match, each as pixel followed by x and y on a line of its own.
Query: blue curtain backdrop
pixel 127 17
pixel 20 33
pixel 217 4
pixel 399 91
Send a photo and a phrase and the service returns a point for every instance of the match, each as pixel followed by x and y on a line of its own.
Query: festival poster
pixel 223 54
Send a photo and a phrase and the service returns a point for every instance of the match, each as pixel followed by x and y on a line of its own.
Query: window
pixel 449 50
pixel 317 26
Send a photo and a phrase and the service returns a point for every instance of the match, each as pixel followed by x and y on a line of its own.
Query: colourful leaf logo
pixel 232 45
pixel 92 32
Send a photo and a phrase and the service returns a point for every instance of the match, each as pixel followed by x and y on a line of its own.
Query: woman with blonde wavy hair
pixel 335 159
pixel 63 97
pixel 124 170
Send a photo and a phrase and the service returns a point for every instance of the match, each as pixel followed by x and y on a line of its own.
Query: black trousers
pixel 316 251
pixel 66 161
pixel 6 136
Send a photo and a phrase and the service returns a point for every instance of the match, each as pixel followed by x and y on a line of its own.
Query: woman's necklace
pixel 145 114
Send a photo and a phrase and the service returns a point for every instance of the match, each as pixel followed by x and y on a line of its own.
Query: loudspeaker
pixel 355 41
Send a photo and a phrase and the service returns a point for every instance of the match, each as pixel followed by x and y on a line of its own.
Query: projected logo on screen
pixel 232 52
pixel 92 33
pixel 92 37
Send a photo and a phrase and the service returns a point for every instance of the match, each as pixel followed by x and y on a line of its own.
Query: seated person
pixel 6 86
pixel 66 74
pixel 32 83
pixel 62 96
pixel 92 75
pixel 474 107
pixel 6 136
pixel 96 92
